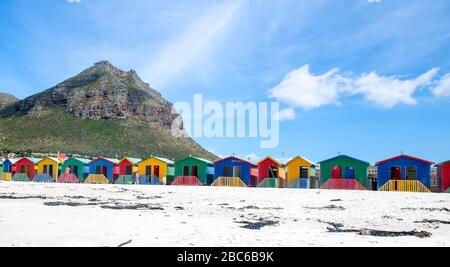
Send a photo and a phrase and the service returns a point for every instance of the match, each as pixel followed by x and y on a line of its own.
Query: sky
pixel 366 78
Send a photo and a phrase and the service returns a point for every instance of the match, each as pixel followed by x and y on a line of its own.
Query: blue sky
pixel 355 77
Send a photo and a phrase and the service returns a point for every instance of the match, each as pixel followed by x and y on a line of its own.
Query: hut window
pixel 97 170
pixel 128 170
pixel 185 170
pixel 148 170
pixel 22 169
pixel 411 173
pixel 303 172
pixel 237 171
pixel 227 171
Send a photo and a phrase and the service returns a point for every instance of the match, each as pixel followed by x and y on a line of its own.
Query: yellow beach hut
pixel 47 170
pixel 301 173
pixel 154 170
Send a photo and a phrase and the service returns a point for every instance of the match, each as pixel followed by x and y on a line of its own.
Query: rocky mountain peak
pixel 7 100
pixel 104 91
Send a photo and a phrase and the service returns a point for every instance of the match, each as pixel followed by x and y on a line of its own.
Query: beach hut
pixel 271 173
pixel 301 173
pixel 404 173
pixel 154 170
pixel 193 171
pixel 127 169
pixel 101 171
pixel 9 169
pixel 343 173
pixel 74 170
pixel 233 171
pixel 443 173
pixel 25 169
pixel 47 170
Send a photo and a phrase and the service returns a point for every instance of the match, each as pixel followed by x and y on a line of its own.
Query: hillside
pixel 103 111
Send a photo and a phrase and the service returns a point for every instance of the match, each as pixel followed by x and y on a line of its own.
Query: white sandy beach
pixel 108 215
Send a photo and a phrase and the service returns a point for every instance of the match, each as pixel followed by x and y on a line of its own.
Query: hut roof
pixel 168 161
pixel 345 156
pixel 442 163
pixel 404 156
pixel 84 161
pixel 34 160
pixel 274 160
pixel 307 160
pixel 230 157
pixel 13 161
pixel 114 161
pixel 132 160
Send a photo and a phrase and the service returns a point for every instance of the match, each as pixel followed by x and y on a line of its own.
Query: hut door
pixel 45 171
pixel 50 170
pixel 336 172
pixel 75 170
pixel 396 173
pixel 148 170
pixel 273 172
pixel 411 173
pixel 27 170
pixel 129 170
pixel 156 171
pixel 237 171
pixel 227 171
pixel 195 171
pixel 104 171
pixel 349 172
pixel 185 170
pixel 304 172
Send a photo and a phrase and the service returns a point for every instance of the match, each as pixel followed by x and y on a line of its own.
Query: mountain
pixel 103 111
pixel 7 100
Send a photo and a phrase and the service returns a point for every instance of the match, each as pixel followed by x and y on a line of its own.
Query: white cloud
pixel 389 91
pixel 374 1
pixel 443 87
pixel 301 88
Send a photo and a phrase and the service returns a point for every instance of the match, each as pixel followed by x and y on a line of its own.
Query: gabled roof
pixel 272 159
pixel 51 158
pixel 442 163
pixel 114 161
pixel 134 161
pixel 34 160
pixel 13 161
pixel 84 161
pixel 345 156
pixel 168 161
pixel 299 157
pixel 404 156
pixel 197 158
pixel 234 157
